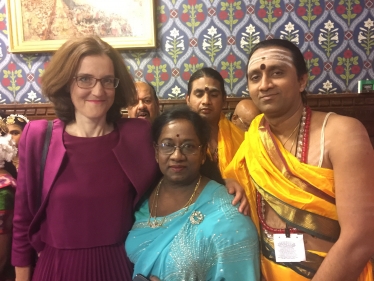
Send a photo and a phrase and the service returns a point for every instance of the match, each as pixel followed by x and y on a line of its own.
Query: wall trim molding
pixel 359 106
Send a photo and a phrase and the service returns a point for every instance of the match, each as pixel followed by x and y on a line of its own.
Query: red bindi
pixel 177 135
pixel 262 66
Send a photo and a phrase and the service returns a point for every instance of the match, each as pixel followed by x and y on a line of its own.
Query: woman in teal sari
pixel 188 229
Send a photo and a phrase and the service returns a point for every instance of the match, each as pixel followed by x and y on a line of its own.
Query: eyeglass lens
pixel 87 82
pixel 185 149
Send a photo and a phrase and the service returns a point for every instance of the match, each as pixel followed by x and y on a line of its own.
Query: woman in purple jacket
pixel 98 166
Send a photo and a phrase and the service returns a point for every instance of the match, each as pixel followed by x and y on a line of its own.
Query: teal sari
pixel 209 241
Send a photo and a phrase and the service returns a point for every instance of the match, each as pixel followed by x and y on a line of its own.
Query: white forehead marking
pixel 271 54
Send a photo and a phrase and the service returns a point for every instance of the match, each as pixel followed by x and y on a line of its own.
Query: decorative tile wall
pixel 336 38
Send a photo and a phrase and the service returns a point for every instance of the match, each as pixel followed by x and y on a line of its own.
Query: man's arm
pixel 352 157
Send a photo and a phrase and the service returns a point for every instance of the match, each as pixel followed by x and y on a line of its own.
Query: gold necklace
pixel 153 222
pixel 294 130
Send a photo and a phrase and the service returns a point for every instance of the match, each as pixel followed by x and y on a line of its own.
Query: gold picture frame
pixel 44 25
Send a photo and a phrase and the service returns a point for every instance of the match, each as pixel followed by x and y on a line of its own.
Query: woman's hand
pixel 233 187
pixel 23 273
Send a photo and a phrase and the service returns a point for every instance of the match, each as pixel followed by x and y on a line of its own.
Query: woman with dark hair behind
pixel 7 190
pixel 91 177
pixel 188 229
pixel 16 123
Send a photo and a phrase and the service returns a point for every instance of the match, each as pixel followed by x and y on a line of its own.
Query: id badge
pixel 290 249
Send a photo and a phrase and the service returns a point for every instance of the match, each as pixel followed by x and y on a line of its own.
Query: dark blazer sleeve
pixel 30 149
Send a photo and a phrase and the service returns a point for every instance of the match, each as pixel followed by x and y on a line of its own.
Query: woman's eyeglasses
pixel 88 82
pixel 186 149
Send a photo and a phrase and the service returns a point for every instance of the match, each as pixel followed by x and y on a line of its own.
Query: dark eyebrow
pixel 198 90
pixel 276 66
pixel 253 71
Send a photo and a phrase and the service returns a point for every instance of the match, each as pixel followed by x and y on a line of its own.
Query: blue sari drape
pixel 221 246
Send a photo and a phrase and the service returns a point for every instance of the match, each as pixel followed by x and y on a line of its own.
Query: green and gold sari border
pixel 316 225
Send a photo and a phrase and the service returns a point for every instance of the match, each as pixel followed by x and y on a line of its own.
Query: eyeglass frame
pixel 97 79
pixel 180 147
pixel 236 116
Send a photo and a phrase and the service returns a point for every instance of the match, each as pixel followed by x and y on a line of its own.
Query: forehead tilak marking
pixel 272 54
pixel 208 88
pixel 262 66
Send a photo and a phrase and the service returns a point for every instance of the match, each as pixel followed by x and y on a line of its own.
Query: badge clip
pixel 287 232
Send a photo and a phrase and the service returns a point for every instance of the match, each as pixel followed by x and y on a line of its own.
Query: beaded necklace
pixel 158 223
pixel 301 154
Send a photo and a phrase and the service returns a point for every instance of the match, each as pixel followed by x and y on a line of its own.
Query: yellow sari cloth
pixel 230 138
pixel 301 194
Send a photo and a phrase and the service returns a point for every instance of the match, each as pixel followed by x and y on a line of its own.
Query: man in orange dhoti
pixel 307 175
pixel 206 95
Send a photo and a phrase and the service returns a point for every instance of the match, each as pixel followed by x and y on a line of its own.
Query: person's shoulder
pixel 220 201
pixel 255 123
pixel 235 129
pixel 135 123
pixel 342 133
pixel 221 212
pixel 231 130
pixel 135 130
pixel 36 128
pixel 41 123
pixel 339 125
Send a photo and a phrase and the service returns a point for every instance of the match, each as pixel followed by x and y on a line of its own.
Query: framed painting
pixel 44 25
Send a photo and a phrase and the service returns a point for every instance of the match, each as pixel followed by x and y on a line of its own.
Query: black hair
pixel 3 114
pixel 206 72
pixel 297 57
pixel 11 169
pixel 16 119
pixel 202 129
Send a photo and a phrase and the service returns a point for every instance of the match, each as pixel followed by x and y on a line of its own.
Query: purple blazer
pixel 134 153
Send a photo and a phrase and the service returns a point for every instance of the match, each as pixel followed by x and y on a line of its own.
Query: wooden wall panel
pixel 359 106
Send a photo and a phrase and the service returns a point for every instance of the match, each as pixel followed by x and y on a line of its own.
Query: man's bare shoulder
pixel 339 125
pixel 344 137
